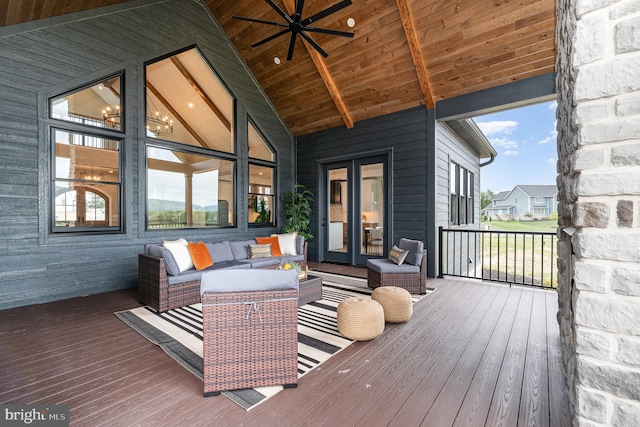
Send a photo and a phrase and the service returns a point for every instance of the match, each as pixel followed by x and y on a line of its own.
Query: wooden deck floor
pixel 473 354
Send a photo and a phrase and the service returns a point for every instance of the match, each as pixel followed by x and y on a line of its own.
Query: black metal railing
pixel 515 257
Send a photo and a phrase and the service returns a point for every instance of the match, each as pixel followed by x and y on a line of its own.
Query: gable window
pixel 190 151
pixel 262 173
pixel 86 153
pixel 97 105
pixel 461 205
pixel 187 103
pixel 538 200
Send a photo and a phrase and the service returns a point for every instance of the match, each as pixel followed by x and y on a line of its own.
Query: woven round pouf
pixel 396 302
pixel 360 319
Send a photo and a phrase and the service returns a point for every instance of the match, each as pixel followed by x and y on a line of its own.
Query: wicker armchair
pixel 411 275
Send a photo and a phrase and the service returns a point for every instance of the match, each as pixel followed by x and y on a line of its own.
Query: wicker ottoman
pixel 396 302
pixel 360 319
pixel 250 337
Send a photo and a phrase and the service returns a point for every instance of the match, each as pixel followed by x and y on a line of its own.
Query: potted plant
pixel 296 211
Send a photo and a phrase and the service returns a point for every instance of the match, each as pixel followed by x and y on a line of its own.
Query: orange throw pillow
pixel 275 246
pixel 200 255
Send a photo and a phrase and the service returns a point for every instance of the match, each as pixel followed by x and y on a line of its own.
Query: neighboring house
pixel 524 201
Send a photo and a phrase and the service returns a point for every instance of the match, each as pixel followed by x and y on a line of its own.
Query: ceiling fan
pixel 298 26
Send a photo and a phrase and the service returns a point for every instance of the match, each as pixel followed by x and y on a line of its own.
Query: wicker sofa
pixel 163 288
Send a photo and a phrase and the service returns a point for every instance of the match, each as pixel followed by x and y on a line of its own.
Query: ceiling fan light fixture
pixel 351 22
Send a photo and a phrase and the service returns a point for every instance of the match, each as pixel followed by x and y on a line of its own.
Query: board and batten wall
pixel 44 58
pixel 404 135
pixel 451 148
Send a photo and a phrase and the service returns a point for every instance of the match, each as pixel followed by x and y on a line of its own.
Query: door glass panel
pixel 372 209
pixel 338 210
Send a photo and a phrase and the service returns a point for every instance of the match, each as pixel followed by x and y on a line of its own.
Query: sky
pixel 525 139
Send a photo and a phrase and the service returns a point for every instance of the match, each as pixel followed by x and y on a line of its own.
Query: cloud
pixel 550 161
pixel 511 153
pixel 504 143
pixel 498 127
pixel 553 105
pixel 553 136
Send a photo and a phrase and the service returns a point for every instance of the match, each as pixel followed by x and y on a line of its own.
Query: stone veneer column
pixel 599 203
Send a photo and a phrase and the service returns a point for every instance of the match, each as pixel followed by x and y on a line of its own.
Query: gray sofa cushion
pixel 415 248
pixel 220 251
pixel 248 280
pixel 193 274
pixel 260 262
pixel 170 263
pixel 386 266
pixel 299 245
pixel 240 248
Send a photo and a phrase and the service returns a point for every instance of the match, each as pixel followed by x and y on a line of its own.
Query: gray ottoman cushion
pixel 248 280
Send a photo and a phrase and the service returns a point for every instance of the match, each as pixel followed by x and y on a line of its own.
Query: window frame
pixel 85 183
pixel 273 165
pixel 184 147
pixel 57 124
pixel 65 123
pixel 461 195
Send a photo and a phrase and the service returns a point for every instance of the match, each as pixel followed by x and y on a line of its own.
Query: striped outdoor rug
pixel 179 333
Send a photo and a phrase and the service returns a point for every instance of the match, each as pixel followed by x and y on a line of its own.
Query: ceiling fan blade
pixel 261 21
pixel 280 11
pixel 268 39
pixel 328 11
pixel 312 42
pixel 292 45
pixel 327 31
pixel 299 7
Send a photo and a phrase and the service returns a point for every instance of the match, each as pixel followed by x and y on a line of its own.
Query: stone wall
pixel 599 203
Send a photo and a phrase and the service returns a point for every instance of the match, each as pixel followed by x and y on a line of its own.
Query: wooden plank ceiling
pixel 405 53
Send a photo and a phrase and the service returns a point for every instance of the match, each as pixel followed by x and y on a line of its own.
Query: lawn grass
pixel 529 226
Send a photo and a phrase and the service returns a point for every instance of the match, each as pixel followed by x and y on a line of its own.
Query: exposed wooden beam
pixel 196 86
pixel 326 76
pixel 416 52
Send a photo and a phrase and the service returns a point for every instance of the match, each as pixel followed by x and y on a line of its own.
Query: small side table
pixel 309 289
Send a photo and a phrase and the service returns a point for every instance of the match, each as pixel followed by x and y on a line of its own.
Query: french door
pixel 354 210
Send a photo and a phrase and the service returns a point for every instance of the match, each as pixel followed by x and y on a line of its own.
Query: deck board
pixel 473 354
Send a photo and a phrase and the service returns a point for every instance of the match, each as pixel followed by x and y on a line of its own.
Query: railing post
pixel 440 252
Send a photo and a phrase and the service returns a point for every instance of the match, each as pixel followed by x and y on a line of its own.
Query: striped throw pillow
pixel 260 251
pixel 397 255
